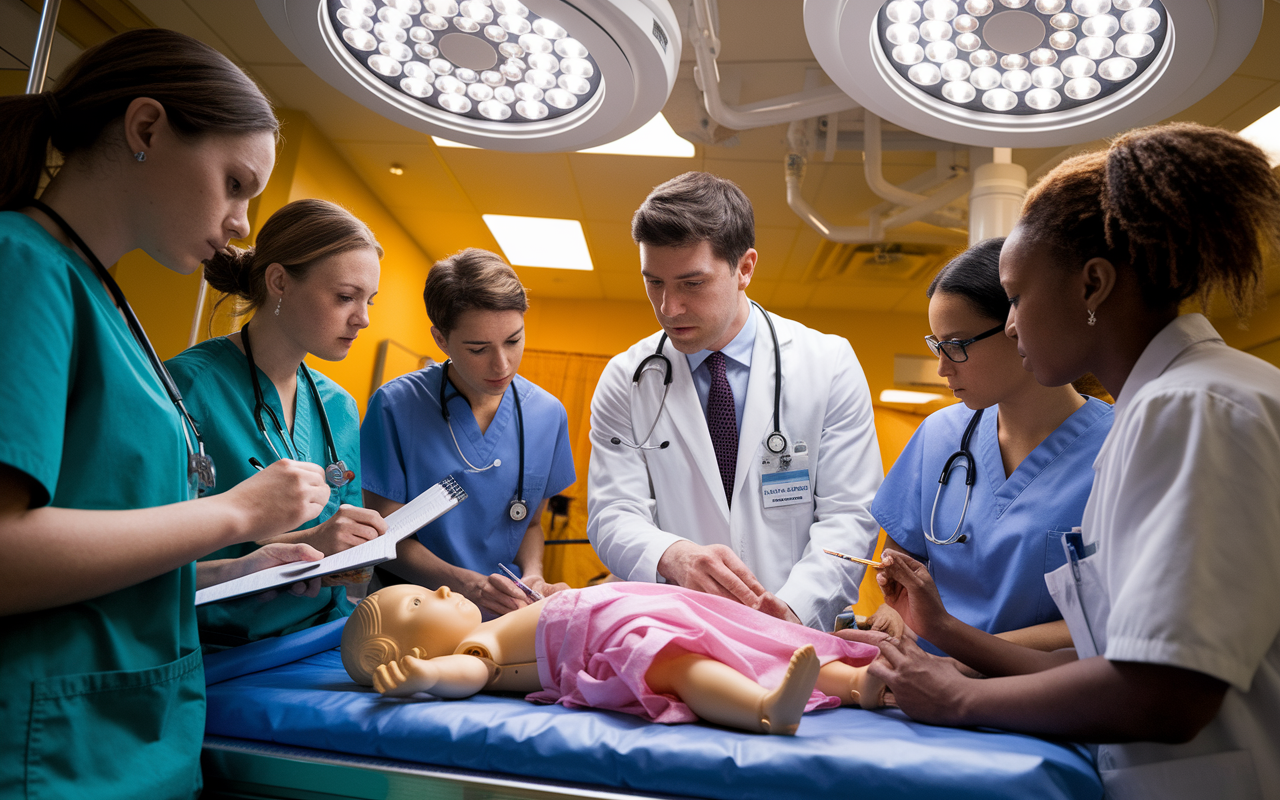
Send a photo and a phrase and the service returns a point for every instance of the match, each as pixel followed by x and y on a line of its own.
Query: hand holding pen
pixel 533 595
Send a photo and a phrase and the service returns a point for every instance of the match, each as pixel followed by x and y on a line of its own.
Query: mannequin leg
pixel 853 685
pixel 718 693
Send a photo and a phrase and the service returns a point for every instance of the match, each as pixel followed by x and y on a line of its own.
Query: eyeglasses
pixel 954 349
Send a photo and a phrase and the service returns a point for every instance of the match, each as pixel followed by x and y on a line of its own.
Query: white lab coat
pixel 640 502
pixel 1182 553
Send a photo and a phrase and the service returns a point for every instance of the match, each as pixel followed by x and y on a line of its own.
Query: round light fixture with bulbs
pixel 1029 73
pixel 522 75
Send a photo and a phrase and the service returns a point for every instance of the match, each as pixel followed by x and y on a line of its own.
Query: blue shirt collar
pixel 738 350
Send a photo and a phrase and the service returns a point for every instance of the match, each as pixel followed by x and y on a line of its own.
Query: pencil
pixel 866 561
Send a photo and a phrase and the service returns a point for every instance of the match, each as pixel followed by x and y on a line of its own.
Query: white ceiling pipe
pixel 949 192
pixel 996 200
pixel 779 110
pixel 873 166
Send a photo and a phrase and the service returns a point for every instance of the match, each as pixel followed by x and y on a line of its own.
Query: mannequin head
pixel 389 623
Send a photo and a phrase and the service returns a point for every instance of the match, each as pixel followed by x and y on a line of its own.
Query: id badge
pixel 786 487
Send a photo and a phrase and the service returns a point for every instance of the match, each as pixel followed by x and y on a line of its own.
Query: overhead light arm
pixel 787 108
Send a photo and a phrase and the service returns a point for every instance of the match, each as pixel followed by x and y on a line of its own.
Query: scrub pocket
pixel 1054 558
pixel 110 735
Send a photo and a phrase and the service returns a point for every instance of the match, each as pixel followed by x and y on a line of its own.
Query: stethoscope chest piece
pixel 338 475
pixel 518 511
pixel 776 443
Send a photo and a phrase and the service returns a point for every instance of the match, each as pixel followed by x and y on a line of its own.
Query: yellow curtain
pixel 571 378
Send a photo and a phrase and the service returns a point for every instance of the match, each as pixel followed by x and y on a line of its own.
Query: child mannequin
pixel 658 651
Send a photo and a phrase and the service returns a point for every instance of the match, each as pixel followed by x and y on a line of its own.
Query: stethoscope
pixel 200 469
pixel 963 454
pixel 518 510
pixel 336 473
pixel 776 443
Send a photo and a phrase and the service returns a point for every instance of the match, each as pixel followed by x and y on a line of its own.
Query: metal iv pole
pixel 44 44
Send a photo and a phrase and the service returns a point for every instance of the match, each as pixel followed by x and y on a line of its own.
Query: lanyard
pixel 199 465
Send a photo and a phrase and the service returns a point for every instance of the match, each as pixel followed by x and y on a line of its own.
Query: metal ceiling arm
pixel 874 231
pixel 779 110
pixel 874 165
pixel 44 44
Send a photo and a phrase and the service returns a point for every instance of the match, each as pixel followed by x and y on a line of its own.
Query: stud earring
pixel 281 301
pixel 1093 319
pixel 140 156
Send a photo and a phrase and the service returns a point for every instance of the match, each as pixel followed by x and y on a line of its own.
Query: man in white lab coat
pixel 688 482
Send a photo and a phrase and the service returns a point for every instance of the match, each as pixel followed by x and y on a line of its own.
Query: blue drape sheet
pixel 294 691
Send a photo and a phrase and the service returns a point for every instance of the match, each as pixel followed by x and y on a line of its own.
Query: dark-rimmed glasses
pixel 954 349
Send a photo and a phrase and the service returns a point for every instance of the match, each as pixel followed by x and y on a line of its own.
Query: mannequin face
pixel 435 621
pixel 993 370
pixel 486 348
pixel 696 296
pixel 1047 311
pixel 327 308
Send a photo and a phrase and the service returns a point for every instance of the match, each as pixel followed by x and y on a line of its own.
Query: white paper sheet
pixel 401 523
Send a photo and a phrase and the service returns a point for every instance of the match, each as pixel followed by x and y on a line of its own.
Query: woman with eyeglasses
pixel 504 439
pixel 309 280
pixel 1016 458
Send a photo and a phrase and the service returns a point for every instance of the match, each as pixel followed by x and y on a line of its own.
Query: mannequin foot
pixel 869 690
pixel 781 709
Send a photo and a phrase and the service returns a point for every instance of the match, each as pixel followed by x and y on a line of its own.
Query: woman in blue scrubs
pixel 101 681
pixel 1032 448
pixel 311 277
pixel 503 438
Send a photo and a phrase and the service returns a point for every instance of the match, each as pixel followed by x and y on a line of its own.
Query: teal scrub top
pixel 214 380
pixel 102 698
pixel 994 580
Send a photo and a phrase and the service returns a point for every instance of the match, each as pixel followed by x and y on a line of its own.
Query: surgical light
pixel 525 75
pixel 1007 35
pixel 1039 72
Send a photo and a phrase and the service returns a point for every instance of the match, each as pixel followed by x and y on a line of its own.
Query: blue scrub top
pixel 213 377
pixel 407 448
pixel 995 580
pixel 104 697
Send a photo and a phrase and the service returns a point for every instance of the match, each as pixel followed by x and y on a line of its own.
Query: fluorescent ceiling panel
pixel 1265 133
pixel 540 241
pixel 655 138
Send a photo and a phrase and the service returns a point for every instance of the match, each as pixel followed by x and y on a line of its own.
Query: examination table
pixel 285 721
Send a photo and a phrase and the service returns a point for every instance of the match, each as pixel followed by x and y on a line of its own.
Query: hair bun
pixel 228 271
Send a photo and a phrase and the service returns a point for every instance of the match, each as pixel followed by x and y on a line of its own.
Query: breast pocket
pixel 1054 557
pixel 124 734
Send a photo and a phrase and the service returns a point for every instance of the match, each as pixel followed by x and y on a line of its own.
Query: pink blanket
pixel 595 645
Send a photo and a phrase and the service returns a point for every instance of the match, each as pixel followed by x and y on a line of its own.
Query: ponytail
pixel 201 90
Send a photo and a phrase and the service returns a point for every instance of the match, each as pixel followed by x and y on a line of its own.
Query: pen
pixel 531 593
pixel 866 561
pixel 256 464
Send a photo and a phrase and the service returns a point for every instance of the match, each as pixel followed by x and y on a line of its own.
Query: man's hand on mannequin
pixel 713 569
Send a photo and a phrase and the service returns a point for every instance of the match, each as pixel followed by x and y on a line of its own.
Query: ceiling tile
pixel 613 187
pixel 612 251
pixel 241 26
pixel 521 184
pixel 564 283
pixel 427 184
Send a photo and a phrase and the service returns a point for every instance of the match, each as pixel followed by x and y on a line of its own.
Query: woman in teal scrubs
pixel 989 542
pixel 504 439
pixel 311 277
pixel 101 680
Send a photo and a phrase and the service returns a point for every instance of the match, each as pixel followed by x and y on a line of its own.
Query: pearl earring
pixel 140 156
pixel 1093 319
pixel 281 301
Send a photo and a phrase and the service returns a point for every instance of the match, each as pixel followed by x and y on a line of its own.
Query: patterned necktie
pixel 722 421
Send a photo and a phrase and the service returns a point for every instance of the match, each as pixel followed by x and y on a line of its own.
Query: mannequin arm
pixel 450 676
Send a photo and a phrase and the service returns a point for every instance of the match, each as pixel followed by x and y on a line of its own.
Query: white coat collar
pixel 1168 344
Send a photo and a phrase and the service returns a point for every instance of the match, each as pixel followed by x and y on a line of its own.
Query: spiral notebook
pixel 402 523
